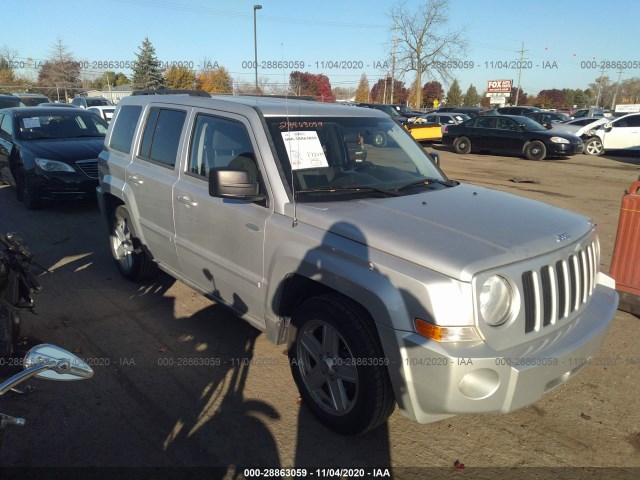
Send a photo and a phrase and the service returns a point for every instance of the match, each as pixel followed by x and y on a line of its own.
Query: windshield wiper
pixel 426 182
pixel 350 188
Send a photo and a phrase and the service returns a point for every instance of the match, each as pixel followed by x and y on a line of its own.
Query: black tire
pixel 535 150
pixel 353 370
pixel 593 146
pixel 131 259
pixel 26 194
pixel 462 145
pixel 380 139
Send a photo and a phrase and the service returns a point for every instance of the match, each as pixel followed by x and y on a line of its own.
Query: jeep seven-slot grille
pixel 88 167
pixel 555 291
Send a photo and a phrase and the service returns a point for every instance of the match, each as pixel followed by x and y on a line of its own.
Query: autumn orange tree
pixel 180 78
pixel 217 80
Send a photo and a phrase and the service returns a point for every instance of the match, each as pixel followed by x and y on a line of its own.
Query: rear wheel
pixel 535 150
pixel 593 146
pixel 462 145
pixel 131 259
pixel 337 362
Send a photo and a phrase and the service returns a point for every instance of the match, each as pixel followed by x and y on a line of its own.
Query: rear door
pixel 151 176
pixel 220 241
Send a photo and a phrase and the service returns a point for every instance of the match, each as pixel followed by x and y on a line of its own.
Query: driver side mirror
pixel 233 183
pixel 608 127
pixel 435 157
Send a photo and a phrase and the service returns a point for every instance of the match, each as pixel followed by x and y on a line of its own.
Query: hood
pixel 458 231
pixel 66 150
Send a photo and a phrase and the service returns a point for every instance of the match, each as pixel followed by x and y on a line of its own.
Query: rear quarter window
pixel 124 128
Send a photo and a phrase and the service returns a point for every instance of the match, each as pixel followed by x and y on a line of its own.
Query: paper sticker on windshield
pixel 33 122
pixel 304 150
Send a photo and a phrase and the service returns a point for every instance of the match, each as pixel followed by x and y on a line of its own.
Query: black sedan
pixel 50 153
pixel 510 134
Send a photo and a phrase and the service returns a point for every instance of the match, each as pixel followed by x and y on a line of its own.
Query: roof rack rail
pixel 167 91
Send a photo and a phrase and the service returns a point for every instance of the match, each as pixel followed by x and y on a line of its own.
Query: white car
pixel 444 119
pixel 620 134
pixel 580 126
pixel 104 111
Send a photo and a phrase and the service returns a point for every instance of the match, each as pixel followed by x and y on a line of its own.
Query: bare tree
pixel 422 45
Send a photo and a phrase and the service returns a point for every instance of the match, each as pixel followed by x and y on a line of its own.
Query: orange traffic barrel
pixel 625 263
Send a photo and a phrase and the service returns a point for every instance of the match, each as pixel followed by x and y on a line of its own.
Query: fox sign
pixel 499 86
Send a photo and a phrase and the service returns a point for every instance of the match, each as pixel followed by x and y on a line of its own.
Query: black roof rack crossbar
pixel 167 91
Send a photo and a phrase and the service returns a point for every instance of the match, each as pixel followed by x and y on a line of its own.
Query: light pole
pixel 255 42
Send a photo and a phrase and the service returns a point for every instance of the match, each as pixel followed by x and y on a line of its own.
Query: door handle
pixel 136 179
pixel 187 201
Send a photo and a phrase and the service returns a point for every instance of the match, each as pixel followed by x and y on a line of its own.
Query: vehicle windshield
pixel 61 125
pixel 370 155
pixel 97 102
pixel 529 124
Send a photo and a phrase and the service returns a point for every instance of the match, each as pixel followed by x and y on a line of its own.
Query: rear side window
pixel 162 136
pixel 124 128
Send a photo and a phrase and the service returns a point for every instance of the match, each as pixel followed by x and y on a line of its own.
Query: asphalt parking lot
pixel 180 382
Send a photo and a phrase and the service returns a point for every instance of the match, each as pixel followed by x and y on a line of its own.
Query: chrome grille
pixel 554 292
pixel 88 167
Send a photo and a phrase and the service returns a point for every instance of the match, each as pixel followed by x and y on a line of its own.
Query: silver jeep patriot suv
pixel 329 228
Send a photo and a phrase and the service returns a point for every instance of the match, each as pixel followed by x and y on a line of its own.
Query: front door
pixel 220 241
pixel 624 134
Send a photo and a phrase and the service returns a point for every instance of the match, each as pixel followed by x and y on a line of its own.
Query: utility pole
pixel 393 57
pixel 522 50
pixel 599 87
pixel 615 94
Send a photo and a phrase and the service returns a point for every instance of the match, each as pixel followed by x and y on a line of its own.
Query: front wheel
pixel 131 259
pixel 535 151
pixel 593 146
pixel 380 139
pixel 25 192
pixel 462 145
pixel 338 365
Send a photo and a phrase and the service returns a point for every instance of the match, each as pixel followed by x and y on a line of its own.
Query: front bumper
pixel 565 149
pixel 63 185
pixel 435 380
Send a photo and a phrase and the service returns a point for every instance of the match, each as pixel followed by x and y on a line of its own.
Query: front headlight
pixel 559 140
pixel 496 300
pixel 53 165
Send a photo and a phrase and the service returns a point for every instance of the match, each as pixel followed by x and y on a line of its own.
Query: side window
pixel 630 121
pixel 162 136
pixel 6 127
pixel 432 118
pixel 219 142
pixel 486 123
pixel 506 124
pixel 124 128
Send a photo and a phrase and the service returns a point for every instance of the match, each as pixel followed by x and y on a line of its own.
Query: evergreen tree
pixel 471 98
pixel 147 74
pixel 362 92
pixel 454 95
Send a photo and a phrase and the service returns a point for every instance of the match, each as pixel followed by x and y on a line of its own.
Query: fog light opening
pixel 479 384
